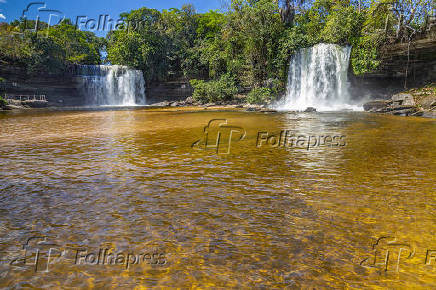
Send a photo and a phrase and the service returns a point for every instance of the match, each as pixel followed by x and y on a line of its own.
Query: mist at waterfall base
pixel 112 85
pixel 318 78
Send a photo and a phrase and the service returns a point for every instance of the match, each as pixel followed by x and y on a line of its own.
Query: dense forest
pixel 246 46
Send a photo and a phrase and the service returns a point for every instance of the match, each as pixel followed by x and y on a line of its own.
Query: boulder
pixel 376 106
pixel 403 99
pixel 310 110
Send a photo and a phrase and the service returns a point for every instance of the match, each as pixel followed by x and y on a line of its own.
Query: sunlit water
pixel 257 217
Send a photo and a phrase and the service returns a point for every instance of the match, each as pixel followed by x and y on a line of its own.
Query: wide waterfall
pixel 318 78
pixel 112 85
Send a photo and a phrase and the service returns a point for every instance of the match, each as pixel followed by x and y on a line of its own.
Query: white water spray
pixel 112 85
pixel 318 78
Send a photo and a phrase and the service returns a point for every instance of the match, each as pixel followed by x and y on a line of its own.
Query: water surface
pixel 257 217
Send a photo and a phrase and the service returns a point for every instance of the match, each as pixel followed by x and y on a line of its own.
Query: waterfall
pixel 318 78
pixel 112 85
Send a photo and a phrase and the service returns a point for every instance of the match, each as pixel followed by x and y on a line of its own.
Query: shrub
pixel 3 102
pixel 260 96
pixel 214 91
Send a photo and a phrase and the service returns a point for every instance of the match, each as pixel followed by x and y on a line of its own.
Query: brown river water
pixel 126 199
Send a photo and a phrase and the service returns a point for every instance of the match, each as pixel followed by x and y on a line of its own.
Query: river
pixel 245 212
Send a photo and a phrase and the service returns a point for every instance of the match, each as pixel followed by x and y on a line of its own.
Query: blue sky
pixel 13 9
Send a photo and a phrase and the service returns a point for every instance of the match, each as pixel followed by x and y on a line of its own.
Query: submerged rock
pixel 404 112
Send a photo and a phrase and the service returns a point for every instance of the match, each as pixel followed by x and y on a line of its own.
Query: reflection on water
pixel 271 217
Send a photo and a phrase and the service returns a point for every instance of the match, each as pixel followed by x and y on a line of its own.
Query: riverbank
pixel 414 102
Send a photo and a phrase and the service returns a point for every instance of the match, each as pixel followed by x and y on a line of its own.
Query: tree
pixel 141 47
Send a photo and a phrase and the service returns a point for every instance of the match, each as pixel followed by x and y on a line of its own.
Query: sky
pixel 91 9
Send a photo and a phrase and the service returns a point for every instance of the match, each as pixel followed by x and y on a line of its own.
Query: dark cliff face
pixel 177 90
pixel 60 90
pixel 416 60
pixel 66 89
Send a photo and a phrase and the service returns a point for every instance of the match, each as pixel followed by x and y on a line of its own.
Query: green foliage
pixel 291 40
pixel 260 96
pixel 251 35
pixel 3 102
pixel 364 57
pixel 250 41
pixel 81 47
pixel 210 24
pixel 141 48
pixel 343 25
pixel 50 49
pixel 220 90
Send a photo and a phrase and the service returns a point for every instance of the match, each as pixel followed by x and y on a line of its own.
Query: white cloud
pixel 2 1
pixel 2 16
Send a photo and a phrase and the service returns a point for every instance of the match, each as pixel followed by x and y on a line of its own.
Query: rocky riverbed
pixel 414 102
pixel 236 104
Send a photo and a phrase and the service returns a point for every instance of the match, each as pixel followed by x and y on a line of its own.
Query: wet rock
pixel 162 104
pixel 420 113
pixel 428 102
pixel 189 101
pixel 252 108
pixel 404 112
pixel 310 110
pixel 13 107
pixel 268 111
pixel 209 105
pixel 429 114
pixel 35 104
pixel 376 106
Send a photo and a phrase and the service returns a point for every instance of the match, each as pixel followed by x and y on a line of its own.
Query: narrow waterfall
pixel 318 78
pixel 112 85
